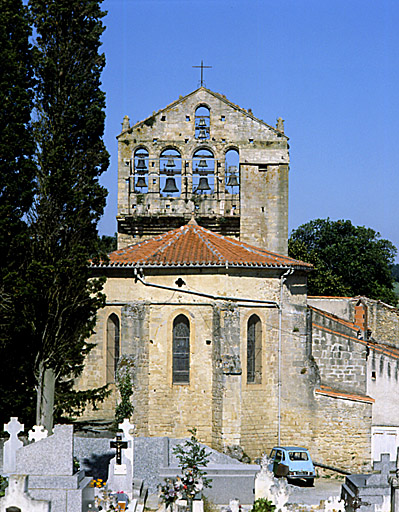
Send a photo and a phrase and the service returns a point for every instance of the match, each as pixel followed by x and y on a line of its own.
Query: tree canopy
pixel 69 126
pixel 17 184
pixel 348 260
pixel 51 199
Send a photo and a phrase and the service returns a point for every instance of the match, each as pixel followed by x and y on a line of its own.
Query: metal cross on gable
pixel 202 71
pixel 118 445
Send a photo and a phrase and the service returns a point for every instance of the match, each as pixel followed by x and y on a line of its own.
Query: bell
pixel 232 181
pixel 141 165
pixel 170 186
pixel 203 184
pixel 140 183
pixel 202 163
pixel 170 163
pixel 202 134
pixel 202 122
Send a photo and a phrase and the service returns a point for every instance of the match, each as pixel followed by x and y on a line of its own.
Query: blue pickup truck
pixel 292 462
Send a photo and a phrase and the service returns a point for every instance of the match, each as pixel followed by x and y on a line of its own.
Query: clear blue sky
pixel 330 68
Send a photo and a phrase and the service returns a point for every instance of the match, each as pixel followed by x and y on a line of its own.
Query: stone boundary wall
pixel 340 356
pixel 351 449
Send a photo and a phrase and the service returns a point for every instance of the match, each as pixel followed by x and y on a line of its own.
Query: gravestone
pixel 43 473
pixel 271 488
pixel 369 492
pixel 120 476
pixel 13 427
pixel 17 498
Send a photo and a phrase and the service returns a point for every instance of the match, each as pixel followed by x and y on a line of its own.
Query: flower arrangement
pixel 170 491
pixel 97 482
pixel 191 456
pixel 107 500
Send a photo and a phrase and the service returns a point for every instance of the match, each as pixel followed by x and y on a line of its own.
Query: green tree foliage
pixel 263 505
pixel 107 244
pixel 349 260
pixel 68 129
pixel 192 457
pixel 125 407
pixel 17 172
pixel 395 272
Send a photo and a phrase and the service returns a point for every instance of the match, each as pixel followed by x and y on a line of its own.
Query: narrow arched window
pixel 113 347
pixel 203 171
pixel 202 123
pixel 170 168
pixel 254 350
pixel 181 350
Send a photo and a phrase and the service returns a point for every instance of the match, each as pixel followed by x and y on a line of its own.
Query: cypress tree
pixel 71 156
pixel 17 172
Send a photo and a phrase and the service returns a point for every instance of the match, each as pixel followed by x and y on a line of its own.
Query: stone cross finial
pixel 264 462
pixel 126 427
pixel 280 125
pixel 37 433
pixel 13 427
pixel 126 123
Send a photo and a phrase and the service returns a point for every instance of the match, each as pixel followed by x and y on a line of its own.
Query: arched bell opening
pixel 170 173
pixel 202 123
pixel 232 174
pixel 203 172
pixel 140 168
pixel 232 181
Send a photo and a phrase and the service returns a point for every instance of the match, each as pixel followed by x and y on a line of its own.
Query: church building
pixel 206 310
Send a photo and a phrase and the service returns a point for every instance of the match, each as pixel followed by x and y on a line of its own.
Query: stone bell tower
pixel 206 156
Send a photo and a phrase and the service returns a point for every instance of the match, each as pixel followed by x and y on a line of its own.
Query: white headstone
pixel 13 427
pixel 198 506
pixel 271 488
pixel 127 428
pixel 234 505
pixel 17 496
pixel 120 476
pixel 37 433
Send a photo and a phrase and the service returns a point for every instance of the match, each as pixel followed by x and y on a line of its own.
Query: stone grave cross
pixel 120 473
pixel 118 444
pixel 37 433
pixel 13 427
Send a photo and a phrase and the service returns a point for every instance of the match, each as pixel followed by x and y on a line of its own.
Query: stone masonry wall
pixel 340 356
pixel 135 343
pixel 263 158
pixel 384 322
pixel 94 374
pixel 343 436
pixel 259 400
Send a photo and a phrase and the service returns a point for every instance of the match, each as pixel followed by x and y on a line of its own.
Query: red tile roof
pixel 192 245
pixel 333 393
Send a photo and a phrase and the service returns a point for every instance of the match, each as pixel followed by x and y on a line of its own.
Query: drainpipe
pixel 283 278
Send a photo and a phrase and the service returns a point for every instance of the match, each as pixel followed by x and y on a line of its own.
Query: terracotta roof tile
pixel 192 245
pixel 333 393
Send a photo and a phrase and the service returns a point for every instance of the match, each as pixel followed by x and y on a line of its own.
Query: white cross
pixel 126 427
pixel 37 433
pixel 13 427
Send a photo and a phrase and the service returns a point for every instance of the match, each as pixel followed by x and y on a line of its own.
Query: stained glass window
pixel 113 347
pixel 181 350
pixel 254 350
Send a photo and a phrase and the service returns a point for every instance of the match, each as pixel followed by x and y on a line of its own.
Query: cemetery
pixel 65 472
